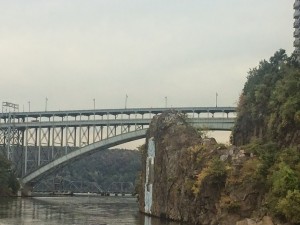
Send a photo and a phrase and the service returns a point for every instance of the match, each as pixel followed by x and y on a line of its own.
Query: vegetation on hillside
pixel 105 167
pixel 269 106
pixel 8 182
pixel 268 125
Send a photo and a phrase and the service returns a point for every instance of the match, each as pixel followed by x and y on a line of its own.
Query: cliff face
pixel 164 173
pixel 187 178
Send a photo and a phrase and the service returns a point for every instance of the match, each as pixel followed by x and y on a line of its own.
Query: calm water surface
pixel 74 210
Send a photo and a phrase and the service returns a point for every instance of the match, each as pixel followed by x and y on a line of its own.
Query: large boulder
pixel 172 158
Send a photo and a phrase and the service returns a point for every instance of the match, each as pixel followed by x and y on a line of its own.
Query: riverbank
pixel 62 194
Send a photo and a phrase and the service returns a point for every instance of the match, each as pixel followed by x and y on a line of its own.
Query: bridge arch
pixel 89 149
pixel 39 142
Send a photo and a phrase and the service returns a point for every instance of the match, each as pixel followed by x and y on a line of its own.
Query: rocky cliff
pixel 187 178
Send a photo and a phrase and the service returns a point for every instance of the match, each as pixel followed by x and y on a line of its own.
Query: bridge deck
pixel 129 111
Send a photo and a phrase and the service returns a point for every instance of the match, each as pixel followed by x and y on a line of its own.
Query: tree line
pixel 8 181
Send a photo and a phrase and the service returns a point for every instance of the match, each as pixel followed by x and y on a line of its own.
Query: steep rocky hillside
pixel 269 106
pixel 185 177
pixel 268 125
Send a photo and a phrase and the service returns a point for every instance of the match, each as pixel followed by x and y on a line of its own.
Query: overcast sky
pixel 74 51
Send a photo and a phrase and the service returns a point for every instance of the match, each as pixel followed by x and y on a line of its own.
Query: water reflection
pixel 74 210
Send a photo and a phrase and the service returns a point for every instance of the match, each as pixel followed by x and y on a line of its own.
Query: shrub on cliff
pixel 265 152
pixel 283 179
pixel 214 172
pixel 290 206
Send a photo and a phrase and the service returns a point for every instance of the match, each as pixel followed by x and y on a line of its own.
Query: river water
pixel 88 210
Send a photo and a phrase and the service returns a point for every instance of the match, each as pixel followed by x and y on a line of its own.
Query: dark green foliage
pixel 283 178
pixel 290 206
pixel 13 183
pixel 8 182
pixel 267 158
pixel 267 154
pixel 269 106
pixel 217 168
pixel 285 118
pixel 4 171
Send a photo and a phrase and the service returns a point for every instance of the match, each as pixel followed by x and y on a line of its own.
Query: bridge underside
pixel 89 149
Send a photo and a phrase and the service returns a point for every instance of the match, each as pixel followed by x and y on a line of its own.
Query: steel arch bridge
pixel 39 142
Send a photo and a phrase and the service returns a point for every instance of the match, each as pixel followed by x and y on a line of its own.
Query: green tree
pixel 284 180
pixel 290 206
pixel 269 106
pixel 8 182
pixel 4 173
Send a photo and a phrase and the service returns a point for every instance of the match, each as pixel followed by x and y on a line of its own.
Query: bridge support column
pixel 26 152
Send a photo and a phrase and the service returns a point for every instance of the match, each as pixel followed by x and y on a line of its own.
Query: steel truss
pixel 33 139
pixel 41 145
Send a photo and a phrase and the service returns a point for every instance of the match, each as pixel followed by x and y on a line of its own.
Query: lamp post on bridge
pixel 94 100
pixel 28 106
pixel 126 97
pixel 46 104
pixel 216 99
pixel 166 101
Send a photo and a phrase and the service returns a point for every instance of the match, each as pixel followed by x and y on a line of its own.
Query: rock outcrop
pixel 187 178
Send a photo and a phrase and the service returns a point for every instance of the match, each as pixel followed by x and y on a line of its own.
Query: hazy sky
pixel 72 51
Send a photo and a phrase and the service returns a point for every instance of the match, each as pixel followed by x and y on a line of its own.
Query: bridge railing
pixel 109 114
